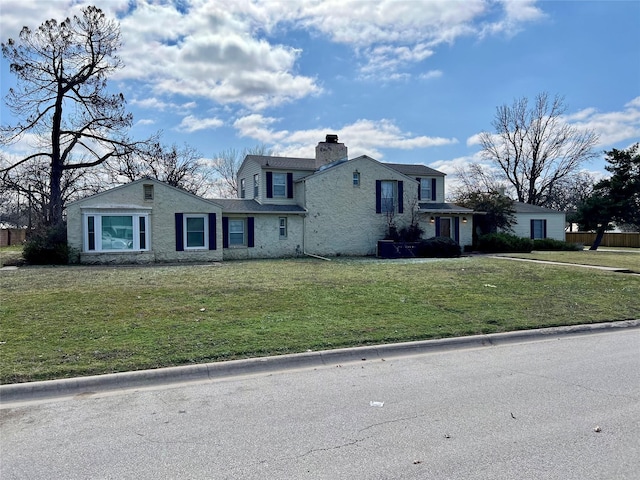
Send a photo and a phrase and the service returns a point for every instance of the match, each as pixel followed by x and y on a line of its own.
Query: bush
pixel 48 247
pixel 438 247
pixel 504 242
pixel 552 244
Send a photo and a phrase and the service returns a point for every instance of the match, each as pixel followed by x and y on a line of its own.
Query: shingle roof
pixel 520 207
pixel 443 208
pixel 289 163
pixel 237 205
pixel 415 170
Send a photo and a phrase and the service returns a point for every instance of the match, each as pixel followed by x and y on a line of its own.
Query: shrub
pixel 552 244
pixel 438 247
pixel 48 247
pixel 504 242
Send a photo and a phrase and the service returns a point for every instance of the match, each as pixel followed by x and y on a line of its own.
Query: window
pixel 116 232
pixel 256 185
pixel 242 187
pixel 538 229
pixel 356 179
pixel 236 232
pixel 195 231
pixel 387 196
pixel 279 185
pixel 148 192
pixel 425 189
pixel 283 227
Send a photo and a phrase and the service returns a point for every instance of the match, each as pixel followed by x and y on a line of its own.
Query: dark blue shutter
pixel 378 196
pixel 250 232
pixel 544 228
pixel 179 232
pixel 269 184
pixel 400 196
pixel 419 188
pixel 225 232
pixel 456 231
pixel 437 226
pixel 532 228
pixel 289 185
pixel 433 189
pixel 212 231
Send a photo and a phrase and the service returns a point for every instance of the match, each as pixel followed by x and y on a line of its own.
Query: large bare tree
pixel 535 147
pixel 226 164
pixel 181 167
pixel 61 98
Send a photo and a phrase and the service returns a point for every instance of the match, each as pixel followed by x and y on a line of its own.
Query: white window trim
pixel 98 214
pixel 427 190
pixel 186 216
pixel 273 185
pixel 283 226
pixel 244 233
pixel 394 197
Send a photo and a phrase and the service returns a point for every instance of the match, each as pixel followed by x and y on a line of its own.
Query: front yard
pixel 60 322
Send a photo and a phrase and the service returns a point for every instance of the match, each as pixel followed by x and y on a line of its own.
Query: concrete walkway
pixel 565 264
pixel 70 387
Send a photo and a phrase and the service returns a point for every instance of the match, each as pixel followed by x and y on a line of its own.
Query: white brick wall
pixel 166 202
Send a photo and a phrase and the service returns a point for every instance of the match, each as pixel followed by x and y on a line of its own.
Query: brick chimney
pixel 330 151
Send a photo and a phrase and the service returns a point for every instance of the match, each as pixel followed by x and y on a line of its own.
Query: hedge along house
pixel 328 205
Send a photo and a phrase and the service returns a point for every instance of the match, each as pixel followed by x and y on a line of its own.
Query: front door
pixel 445 227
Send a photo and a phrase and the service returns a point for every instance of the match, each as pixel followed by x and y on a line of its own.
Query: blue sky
pixel 401 81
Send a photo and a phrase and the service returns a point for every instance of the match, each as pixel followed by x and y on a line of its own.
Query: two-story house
pixel 327 205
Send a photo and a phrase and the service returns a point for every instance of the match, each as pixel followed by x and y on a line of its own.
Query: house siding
pixel 249 169
pixel 342 219
pixel 555 224
pixel 166 203
pixel 267 240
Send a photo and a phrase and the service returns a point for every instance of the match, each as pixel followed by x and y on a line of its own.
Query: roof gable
pixel 137 182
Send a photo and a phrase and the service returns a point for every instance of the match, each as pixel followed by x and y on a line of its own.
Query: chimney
pixel 330 151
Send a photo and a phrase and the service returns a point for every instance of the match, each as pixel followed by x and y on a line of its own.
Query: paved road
pixel 562 408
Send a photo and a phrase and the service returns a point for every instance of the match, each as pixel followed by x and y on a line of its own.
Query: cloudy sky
pixel 402 81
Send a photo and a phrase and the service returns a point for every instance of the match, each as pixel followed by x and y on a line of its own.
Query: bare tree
pixel 181 167
pixel 535 148
pixel 226 165
pixel 61 97
pixel 475 178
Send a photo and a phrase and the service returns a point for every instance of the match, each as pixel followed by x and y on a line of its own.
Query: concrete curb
pixel 32 391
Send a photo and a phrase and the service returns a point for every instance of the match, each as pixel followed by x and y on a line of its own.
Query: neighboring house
pixel 538 222
pixel 328 205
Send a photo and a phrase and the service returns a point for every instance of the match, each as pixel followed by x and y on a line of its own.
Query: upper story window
pixel 356 179
pixel 256 185
pixel 425 189
pixel 279 185
pixel 242 188
pixel 387 196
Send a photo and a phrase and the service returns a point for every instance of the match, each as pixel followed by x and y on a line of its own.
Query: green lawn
pixel 66 321
pixel 623 259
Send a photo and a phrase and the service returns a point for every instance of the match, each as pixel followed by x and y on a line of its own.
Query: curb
pixel 32 391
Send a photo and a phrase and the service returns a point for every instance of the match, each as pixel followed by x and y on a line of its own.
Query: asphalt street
pixel 557 408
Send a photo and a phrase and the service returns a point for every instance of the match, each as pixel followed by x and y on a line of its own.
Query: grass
pixel 58 322
pixel 623 259
pixel 10 255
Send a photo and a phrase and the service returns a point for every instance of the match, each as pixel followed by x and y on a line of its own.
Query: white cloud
pixel 191 124
pixel 363 137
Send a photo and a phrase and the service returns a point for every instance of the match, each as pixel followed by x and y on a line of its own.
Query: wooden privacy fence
pixel 609 240
pixel 12 236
